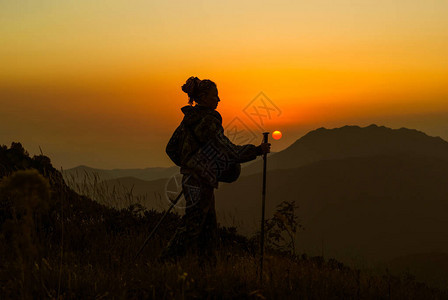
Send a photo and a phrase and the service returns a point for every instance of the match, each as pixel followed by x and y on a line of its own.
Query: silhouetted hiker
pixel 206 157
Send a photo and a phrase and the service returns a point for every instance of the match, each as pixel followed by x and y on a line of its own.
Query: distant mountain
pixel 352 141
pixel 78 174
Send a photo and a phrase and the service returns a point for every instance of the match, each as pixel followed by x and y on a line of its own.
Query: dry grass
pixel 118 196
pixel 233 277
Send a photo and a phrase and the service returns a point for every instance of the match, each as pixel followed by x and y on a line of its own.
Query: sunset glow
pixel 98 83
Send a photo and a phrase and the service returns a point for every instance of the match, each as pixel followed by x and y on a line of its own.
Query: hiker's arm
pixel 210 129
pixel 241 153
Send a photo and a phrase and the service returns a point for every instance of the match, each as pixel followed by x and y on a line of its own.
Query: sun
pixel 277 135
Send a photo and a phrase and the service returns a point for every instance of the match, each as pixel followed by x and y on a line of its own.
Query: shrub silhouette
pixel 282 228
pixel 24 198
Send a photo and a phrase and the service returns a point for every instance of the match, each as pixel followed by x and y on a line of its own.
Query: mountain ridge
pixel 352 141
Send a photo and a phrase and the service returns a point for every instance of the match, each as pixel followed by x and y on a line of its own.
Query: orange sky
pixel 98 82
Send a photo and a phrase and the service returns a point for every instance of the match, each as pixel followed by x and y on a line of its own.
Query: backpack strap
pixel 193 134
pixel 191 131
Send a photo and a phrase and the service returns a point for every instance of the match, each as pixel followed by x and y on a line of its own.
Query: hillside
pixel 68 246
pixel 71 247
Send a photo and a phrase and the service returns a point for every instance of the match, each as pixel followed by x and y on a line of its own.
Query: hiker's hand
pixel 265 147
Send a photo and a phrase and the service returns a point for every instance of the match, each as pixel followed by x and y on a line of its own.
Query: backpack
pixel 231 173
pixel 175 145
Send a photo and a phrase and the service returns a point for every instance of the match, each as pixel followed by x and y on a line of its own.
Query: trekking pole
pixel 263 201
pixel 173 203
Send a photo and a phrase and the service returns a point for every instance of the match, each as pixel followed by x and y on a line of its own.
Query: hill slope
pixel 75 248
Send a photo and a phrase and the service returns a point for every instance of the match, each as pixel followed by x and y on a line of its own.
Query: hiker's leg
pixel 199 213
pixel 183 240
pixel 205 233
pixel 208 239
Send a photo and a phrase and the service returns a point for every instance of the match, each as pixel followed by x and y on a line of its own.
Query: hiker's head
pixel 203 92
